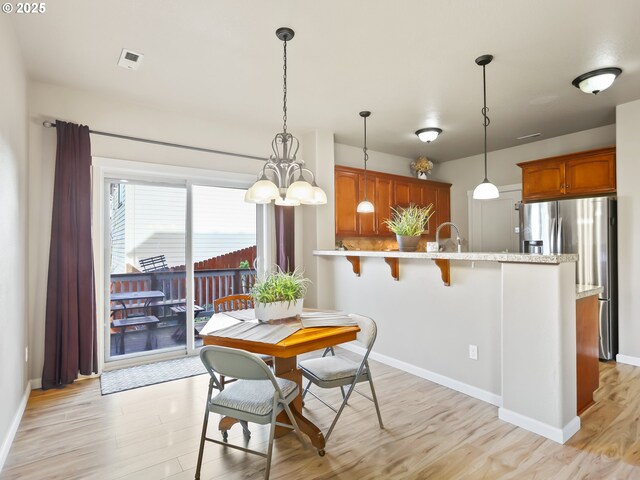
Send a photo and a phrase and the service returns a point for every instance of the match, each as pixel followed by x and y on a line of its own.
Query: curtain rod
pixel 47 124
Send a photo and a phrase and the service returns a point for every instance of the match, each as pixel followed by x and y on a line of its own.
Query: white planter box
pixel 277 310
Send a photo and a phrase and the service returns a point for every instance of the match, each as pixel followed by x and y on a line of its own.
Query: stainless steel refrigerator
pixel 586 226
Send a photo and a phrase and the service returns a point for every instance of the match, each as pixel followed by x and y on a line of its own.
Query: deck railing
pixel 208 284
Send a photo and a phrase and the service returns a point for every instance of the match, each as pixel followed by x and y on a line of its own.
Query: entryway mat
pixel 150 374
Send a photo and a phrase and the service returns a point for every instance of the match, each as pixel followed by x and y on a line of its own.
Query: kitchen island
pixel 517 310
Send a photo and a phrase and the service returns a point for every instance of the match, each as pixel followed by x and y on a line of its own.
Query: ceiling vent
pixel 130 60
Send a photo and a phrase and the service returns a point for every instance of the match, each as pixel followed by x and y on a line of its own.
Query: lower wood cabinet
pixel 385 191
pixel 587 339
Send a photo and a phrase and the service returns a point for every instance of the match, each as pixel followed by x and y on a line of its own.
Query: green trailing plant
pixel 244 264
pixel 410 221
pixel 280 287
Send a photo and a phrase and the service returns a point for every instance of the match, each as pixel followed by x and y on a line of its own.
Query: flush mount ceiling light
pixel 486 190
pixel 428 134
pixel 284 174
pixel 365 206
pixel 596 81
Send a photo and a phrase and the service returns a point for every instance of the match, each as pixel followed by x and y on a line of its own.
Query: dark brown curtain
pixel 285 237
pixel 70 327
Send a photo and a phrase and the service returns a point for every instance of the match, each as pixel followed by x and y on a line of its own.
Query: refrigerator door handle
pixel 559 237
pixel 552 237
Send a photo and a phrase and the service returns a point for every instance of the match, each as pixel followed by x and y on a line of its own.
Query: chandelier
pixel 283 176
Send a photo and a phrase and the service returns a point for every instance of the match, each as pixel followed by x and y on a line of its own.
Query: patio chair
pixel 231 303
pixel 257 397
pixel 331 371
pixel 153 264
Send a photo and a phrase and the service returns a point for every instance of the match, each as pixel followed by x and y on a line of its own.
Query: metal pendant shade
pixel 365 206
pixel 486 190
pixel 284 178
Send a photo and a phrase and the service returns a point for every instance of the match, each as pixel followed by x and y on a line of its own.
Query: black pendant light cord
pixel 284 89
pixel 366 157
pixel 486 121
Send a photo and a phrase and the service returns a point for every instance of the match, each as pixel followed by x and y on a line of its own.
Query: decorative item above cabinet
pixel 580 174
pixel 385 191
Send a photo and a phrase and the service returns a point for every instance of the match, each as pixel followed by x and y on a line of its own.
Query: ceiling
pixel 411 63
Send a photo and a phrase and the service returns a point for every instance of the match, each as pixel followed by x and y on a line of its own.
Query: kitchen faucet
pixel 457 235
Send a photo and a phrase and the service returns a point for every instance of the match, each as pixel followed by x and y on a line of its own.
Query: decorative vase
pixel 278 310
pixel 422 175
pixel 407 243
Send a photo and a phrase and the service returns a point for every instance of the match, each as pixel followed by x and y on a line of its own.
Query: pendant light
pixel 283 176
pixel 365 206
pixel 486 190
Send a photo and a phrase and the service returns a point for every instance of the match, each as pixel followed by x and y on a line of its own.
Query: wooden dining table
pixel 285 354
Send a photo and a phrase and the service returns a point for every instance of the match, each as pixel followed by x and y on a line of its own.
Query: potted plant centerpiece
pixel 279 295
pixel 408 224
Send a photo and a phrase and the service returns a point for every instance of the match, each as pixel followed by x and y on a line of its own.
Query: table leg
pixel 288 368
pixel 122 340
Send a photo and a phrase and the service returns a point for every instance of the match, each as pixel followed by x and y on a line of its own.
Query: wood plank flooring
pixel 430 432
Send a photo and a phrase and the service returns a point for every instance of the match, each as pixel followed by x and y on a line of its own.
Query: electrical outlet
pixel 26 354
pixel 473 352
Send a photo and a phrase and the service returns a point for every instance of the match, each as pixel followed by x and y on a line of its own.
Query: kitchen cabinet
pixel 347 185
pixel 592 172
pixel 587 364
pixel 385 191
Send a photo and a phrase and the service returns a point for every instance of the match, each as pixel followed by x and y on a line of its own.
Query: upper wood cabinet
pixel 578 174
pixel 385 191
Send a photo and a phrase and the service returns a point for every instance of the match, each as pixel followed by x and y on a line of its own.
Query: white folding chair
pixel 258 396
pixel 331 371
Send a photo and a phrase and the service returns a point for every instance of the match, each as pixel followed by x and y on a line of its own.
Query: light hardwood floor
pixel 430 432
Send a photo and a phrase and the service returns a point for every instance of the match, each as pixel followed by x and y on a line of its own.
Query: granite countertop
pixel 583 291
pixel 468 256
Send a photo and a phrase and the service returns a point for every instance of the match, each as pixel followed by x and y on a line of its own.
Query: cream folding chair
pixel 331 371
pixel 258 396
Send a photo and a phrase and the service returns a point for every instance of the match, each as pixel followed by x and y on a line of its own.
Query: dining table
pixel 285 354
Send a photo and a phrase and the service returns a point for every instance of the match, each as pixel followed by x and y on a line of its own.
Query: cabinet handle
pixel 568 186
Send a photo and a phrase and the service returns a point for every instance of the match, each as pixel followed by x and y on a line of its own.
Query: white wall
pixel 113 115
pixel 628 175
pixel 465 173
pixel 13 234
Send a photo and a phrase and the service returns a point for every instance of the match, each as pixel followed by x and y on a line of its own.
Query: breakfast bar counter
pixel 503 329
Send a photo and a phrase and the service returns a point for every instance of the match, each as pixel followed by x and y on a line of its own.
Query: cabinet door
pixel 402 193
pixel 347 198
pixel 367 221
pixel 443 211
pixel 383 204
pixel 591 174
pixel 430 197
pixel 543 180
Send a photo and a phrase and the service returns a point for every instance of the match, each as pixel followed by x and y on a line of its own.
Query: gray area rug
pixel 150 374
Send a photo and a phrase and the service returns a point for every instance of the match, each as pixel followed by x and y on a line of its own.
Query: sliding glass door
pixel 171 250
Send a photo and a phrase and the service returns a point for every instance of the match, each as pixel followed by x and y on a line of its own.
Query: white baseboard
pixel 11 434
pixel 36 383
pixel 627 359
pixel 559 435
pixel 456 385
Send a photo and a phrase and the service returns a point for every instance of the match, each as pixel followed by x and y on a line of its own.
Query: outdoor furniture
pixel 153 264
pixel 150 321
pixel 142 301
pixel 258 397
pixel 181 312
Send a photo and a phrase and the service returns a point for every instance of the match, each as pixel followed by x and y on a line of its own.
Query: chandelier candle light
pixel 365 206
pixel 283 177
pixel 486 190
